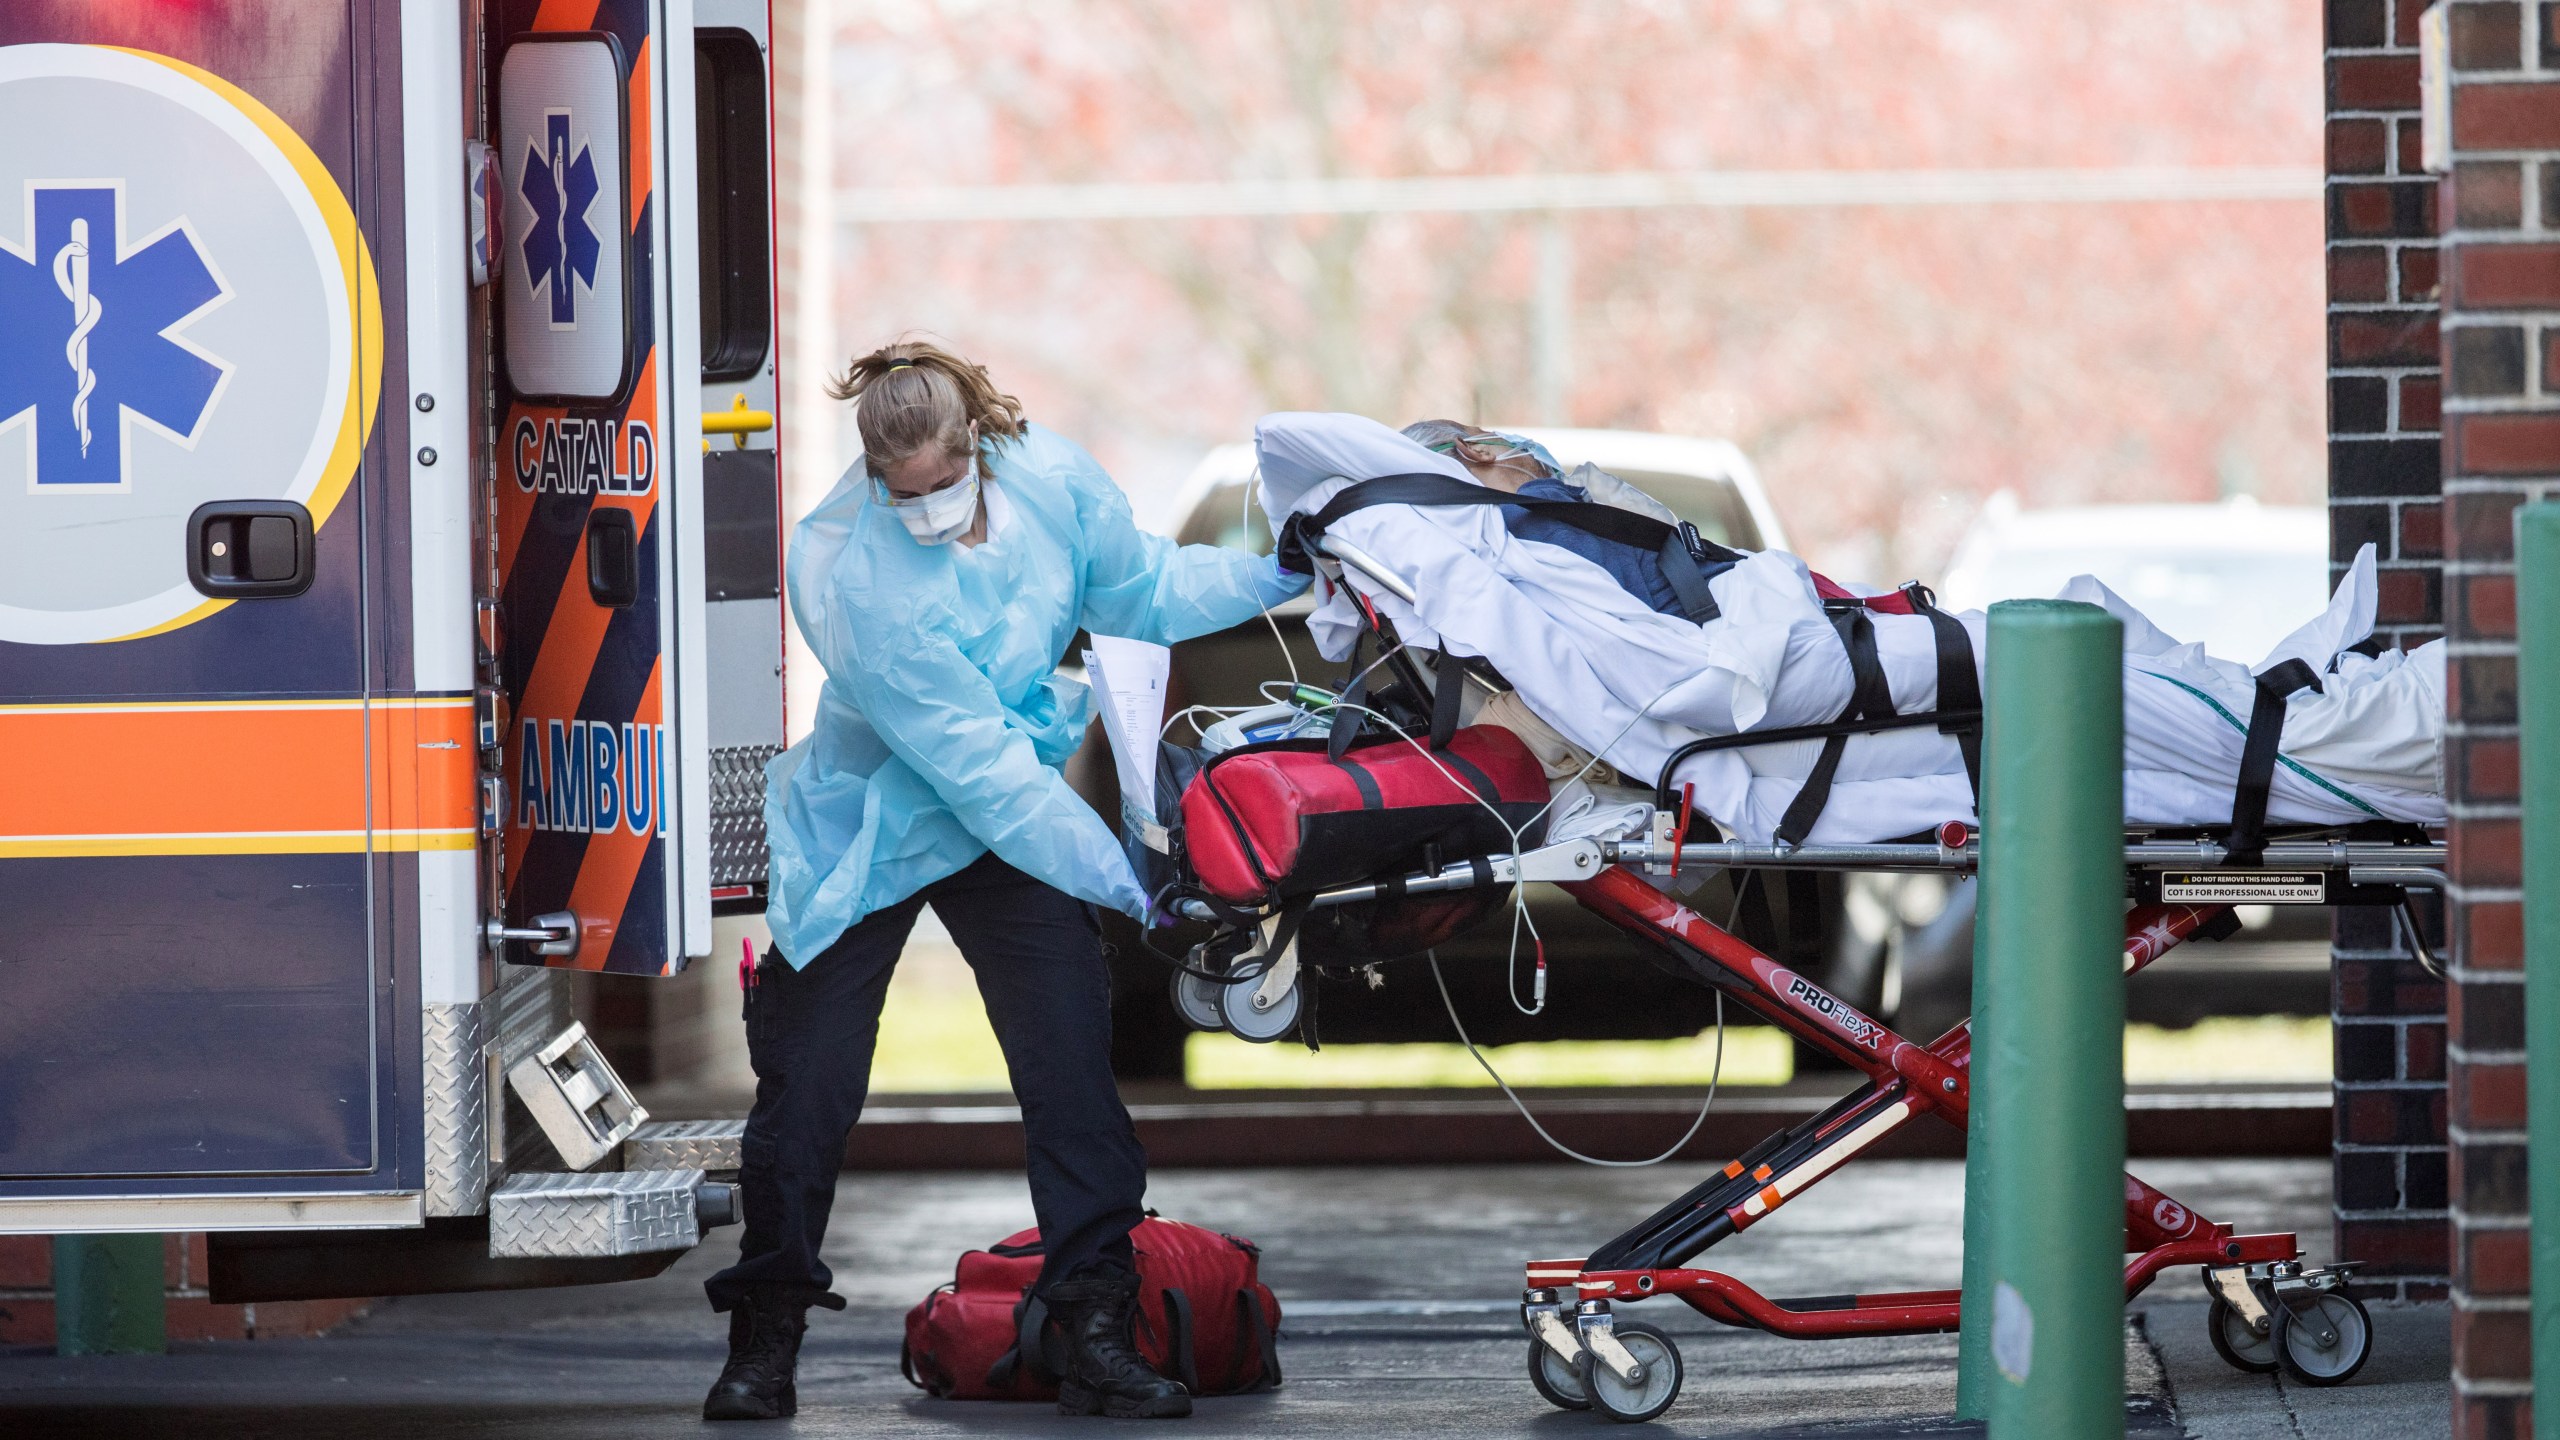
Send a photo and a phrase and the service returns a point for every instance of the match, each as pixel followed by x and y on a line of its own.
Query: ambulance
pixel 390 618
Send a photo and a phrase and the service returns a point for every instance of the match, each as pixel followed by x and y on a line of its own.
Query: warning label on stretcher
pixel 2214 887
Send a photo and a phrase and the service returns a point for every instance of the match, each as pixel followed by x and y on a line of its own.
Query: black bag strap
pixel 1959 684
pixel 1030 1319
pixel 1681 548
pixel 1181 1351
pixel 1265 1347
pixel 2258 756
pixel 1870 697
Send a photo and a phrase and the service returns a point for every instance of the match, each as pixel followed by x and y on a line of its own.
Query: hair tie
pixel 901 365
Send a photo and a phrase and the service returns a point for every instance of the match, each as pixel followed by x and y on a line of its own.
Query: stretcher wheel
pixel 1236 1012
pixel 1556 1378
pixel 1195 1000
pixel 2237 1342
pixel 2298 1346
pixel 1634 1404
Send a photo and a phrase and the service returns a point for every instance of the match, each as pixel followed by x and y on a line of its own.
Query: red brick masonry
pixel 26 1299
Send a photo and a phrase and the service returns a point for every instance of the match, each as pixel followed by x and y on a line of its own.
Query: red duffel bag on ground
pixel 1204 1318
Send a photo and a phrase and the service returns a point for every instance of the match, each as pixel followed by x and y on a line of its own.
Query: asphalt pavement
pixel 1399 1287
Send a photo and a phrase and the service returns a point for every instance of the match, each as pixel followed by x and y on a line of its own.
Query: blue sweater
pixel 1638 572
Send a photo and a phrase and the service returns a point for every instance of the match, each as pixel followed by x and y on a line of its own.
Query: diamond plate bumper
pixel 457 1109
pixel 620 1213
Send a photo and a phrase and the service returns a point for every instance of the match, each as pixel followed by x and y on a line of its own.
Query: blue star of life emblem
pixel 89 334
pixel 560 244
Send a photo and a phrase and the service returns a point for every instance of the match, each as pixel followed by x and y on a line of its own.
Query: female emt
pixel 939 584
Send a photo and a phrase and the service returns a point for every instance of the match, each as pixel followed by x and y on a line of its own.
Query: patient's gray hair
pixel 1472 446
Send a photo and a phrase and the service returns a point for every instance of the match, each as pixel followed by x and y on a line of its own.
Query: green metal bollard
pixel 2048 1047
pixel 2538 711
pixel 108 1297
pixel 1973 1344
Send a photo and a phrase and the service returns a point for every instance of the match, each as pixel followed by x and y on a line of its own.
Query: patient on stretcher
pixel 1632 654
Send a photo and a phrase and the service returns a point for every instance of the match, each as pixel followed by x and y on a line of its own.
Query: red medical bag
pixel 1265 824
pixel 1204 1318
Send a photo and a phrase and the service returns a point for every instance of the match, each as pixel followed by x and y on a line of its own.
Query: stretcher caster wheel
pixel 2326 1341
pixel 1237 1013
pixel 2237 1342
pixel 1196 1000
pixel 1647 1396
pixel 1556 1378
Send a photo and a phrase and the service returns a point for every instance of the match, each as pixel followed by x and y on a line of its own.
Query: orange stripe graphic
pixel 643 126
pixel 253 775
pixel 567 15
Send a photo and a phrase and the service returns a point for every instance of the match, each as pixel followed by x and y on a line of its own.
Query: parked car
pixel 2238 576
pixel 1602 985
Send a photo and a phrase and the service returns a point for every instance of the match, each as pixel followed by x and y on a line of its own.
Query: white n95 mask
pixel 940 517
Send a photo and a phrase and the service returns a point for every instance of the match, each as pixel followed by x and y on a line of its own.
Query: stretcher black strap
pixel 1959 684
pixel 1348 716
pixel 1683 551
pixel 1688 582
pixel 1448 688
pixel 1956 673
pixel 1870 697
pixel 2258 757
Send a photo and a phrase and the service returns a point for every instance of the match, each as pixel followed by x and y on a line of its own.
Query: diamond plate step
pixel 622 1212
pixel 684 1144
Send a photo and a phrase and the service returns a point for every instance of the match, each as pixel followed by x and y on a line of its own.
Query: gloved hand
pixel 1295 553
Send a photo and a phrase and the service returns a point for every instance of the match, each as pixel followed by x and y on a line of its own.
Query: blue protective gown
pixel 944 717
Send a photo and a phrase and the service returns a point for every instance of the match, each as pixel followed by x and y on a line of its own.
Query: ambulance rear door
pixel 598 492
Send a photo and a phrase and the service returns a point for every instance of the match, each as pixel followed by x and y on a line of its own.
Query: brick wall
pixel 26 1299
pixel 2385 488
pixel 2502 447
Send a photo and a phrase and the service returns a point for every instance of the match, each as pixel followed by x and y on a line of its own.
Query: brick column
pixel 2384 489
pixel 2502 431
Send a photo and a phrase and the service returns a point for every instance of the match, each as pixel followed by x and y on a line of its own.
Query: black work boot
pixel 1103 1373
pixel 764 1349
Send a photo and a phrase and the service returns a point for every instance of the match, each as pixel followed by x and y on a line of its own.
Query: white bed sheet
pixel 1632 685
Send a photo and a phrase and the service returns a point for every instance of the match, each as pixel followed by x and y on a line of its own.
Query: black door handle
pixel 613 557
pixel 249 549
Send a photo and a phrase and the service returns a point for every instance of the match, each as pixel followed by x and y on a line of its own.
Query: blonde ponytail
pixel 912 394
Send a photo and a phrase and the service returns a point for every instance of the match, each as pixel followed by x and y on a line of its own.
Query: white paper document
pixel 1128 678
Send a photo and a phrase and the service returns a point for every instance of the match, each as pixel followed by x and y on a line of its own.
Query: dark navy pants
pixel 810 1033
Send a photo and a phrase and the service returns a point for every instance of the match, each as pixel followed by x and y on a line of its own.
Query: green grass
pixel 934 1037
pixel 2229 1048
pixel 1755 1055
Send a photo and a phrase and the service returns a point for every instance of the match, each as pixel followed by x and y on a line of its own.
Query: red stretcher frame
pixel 1905 1080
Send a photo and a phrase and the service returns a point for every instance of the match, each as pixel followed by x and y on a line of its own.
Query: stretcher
pixel 2269 1309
